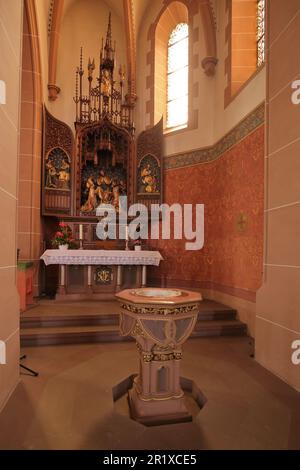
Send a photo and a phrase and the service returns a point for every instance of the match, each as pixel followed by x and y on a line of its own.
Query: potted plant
pixel 137 244
pixel 63 237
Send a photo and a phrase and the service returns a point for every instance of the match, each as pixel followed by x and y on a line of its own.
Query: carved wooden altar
pixel 101 160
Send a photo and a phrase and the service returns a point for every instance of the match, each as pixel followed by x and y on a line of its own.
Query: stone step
pixel 51 322
pixel 48 321
pixel 57 314
pixel 71 335
pixel 219 328
pixel 108 333
pixel 225 314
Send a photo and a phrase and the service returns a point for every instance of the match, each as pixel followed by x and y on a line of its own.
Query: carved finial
pixel 108 34
pixel 81 59
pixel 91 68
pixel 76 85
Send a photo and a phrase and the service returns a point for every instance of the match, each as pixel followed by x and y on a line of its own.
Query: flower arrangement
pixel 63 236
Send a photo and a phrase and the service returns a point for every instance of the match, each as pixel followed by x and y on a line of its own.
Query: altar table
pixel 98 273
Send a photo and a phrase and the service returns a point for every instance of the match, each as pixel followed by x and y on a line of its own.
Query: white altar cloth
pixel 102 257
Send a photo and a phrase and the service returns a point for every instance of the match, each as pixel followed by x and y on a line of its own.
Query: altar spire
pixel 107 98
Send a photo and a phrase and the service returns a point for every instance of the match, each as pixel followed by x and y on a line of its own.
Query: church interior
pixel 128 342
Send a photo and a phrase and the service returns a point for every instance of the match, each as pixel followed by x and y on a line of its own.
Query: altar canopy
pixel 102 257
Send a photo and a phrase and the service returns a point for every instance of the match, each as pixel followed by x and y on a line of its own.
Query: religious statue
pixel 116 195
pixel 103 187
pixel 57 170
pixel 64 175
pixel 91 201
pixel 148 179
pixel 51 178
pixel 149 175
pixel 106 83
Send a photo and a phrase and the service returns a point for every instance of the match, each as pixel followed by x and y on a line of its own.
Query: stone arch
pixel 30 147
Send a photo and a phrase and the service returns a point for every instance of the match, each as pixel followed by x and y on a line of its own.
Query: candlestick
pixel 80 232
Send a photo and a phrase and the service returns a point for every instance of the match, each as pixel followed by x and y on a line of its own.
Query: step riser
pixel 112 320
pixel 60 339
pixel 203 316
pixel 218 332
pixel 101 321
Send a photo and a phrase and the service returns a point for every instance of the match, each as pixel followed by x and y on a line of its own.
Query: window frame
pixel 183 125
pixel 261 38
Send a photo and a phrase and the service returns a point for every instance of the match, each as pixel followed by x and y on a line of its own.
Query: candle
pixel 126 232
pixel 80 232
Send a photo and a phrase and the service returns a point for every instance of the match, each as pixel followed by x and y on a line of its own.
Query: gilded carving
pixel 104 275
pixel 149 175
pixel 101 186
pixel 137 330
pixel 57 170
pixel 160 311
pixel 147 357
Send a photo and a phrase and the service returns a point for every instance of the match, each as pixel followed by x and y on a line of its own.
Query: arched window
pixel 247 42
pixel 178 77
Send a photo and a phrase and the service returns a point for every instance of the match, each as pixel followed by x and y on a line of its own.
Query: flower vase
pixel 63 247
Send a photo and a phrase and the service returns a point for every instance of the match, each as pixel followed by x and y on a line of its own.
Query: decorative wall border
pixel 208 154
pixel 238 292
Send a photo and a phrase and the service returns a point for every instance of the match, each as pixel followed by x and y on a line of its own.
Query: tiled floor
pixel 69 406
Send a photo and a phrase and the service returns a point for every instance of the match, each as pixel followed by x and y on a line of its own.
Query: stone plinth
pixel 160 320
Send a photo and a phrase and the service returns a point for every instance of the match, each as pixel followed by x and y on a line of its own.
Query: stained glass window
pixel 178 74
pixel 261 24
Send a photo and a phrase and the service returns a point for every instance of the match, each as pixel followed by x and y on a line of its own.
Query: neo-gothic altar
pixel 97 162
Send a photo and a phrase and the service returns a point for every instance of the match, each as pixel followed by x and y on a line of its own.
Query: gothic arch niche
pixel 58 162
pixel 104 166
pixel 58 170
pixel 163 379
pixel 149 176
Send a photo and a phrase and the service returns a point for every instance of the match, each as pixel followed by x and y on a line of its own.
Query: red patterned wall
pixel 232 189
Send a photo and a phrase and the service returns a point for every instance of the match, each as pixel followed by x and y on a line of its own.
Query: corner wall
pixel 278 302
pixel 10 40
pixel 29 185
pixel 228 178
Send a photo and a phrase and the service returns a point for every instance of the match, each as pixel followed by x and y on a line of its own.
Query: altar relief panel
pixel 57 167
pixel 102 160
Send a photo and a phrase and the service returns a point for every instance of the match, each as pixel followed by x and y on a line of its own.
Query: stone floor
pixel 70 406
